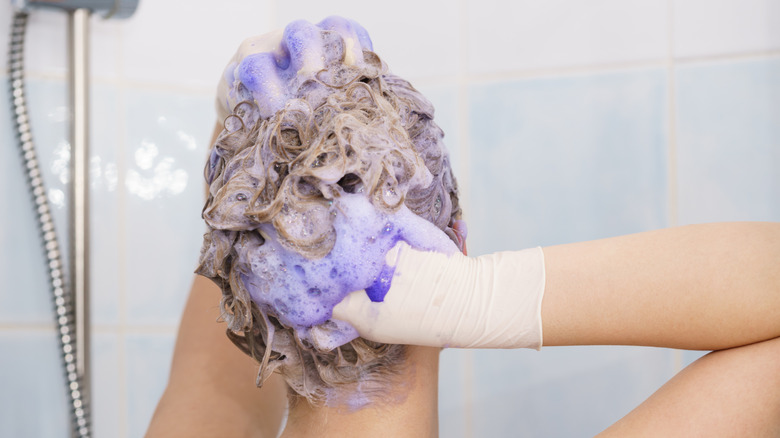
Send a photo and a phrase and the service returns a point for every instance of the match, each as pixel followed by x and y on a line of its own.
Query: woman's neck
pixel 410 409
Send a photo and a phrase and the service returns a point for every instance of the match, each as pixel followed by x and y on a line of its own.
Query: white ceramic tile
pixel 728 146
pixel 104 46
pixel 105 384
pixel 535 34
pixel 189 44
pixel 723 27
pixel 167 136
pixel 415 38
pixel 560 160
pixel 6 14
pixel 46 49
pixel 147 363
pixel 33 400
pixel 563 392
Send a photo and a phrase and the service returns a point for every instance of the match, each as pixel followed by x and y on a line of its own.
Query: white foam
pixel 303 292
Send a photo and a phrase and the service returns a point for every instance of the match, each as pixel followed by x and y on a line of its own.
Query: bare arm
pixel 727 393
pixel 711 286
pixel 211 390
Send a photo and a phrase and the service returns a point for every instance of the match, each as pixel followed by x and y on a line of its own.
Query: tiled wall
pixel 566 121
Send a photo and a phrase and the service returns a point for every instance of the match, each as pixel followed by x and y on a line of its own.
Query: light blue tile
pixel 565 159
pixel 105 387
pixel 452 393
pixel 26 297
pixel 147 361
pixel 33 399
pixel 563 392
pixel 689 357
pixel 21 258
pixel 728 119
pixel 167 136
pixel 50 126
pixel 104 205
pixel 21 243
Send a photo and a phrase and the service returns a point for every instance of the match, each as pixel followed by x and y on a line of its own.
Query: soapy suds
pixel 326 161
pixel 303 292
pixel 271 68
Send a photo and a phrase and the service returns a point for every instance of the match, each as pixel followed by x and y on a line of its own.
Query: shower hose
pixel 62 301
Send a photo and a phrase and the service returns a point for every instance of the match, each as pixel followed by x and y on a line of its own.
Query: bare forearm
pixel 211 390
pixel 707 286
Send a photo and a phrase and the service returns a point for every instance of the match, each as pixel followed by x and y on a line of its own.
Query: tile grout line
pixel 137 84
pixel 672 181
pixel 570 70
pixel 609 67
pixel 728 57
pixel 671 124
pixel 465 181
pixel 103 329
pixel 96 328
pixel 121 114
pixel 33 327
pixel 462 80
pixel 468 392
pixel 523 74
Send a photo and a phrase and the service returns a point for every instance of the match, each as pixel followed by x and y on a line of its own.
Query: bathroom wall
pixel 566 121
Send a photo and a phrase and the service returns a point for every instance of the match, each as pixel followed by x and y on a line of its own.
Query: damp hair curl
pixel 347 130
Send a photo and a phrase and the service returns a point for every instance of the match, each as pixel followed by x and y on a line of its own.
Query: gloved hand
pixel 491 301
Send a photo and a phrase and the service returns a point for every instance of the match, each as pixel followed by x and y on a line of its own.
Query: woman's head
pixel 326 161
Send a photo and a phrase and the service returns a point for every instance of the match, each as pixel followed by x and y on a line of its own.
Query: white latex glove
pixel 491 301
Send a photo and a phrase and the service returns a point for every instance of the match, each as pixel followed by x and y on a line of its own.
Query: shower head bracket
pixel 105 8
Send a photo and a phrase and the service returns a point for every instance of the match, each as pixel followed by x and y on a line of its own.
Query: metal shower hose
pixel 62 301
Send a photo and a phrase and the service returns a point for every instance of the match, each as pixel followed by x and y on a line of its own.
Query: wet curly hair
pixel 348 130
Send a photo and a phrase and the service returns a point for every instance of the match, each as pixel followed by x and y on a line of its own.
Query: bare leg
pixel 211 391
pixel 728 393
pixel 704 287
pixel 701 287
